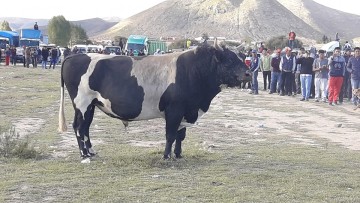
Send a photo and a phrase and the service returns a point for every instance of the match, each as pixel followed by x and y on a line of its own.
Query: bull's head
pixel 232 69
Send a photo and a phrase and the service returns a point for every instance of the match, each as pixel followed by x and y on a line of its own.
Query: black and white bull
pixel 178 87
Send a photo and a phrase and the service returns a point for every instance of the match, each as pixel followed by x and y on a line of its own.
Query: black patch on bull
pixel 111 77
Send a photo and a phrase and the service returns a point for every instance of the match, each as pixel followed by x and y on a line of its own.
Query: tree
pixel 78 35
pixel 281 42
pixel 59 30
pixel 5 26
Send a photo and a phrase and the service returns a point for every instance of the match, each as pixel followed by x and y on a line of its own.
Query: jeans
pixel 321 88
pixel 254 87
pixel 305 85
pixel 275 82
pixel 266 77
pixel 355 84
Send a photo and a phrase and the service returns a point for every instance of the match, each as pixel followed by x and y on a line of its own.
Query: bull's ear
pixel 216 45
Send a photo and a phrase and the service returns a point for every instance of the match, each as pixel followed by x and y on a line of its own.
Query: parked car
pixel 112 49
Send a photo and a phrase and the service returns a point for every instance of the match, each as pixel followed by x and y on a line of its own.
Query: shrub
pixel 13 146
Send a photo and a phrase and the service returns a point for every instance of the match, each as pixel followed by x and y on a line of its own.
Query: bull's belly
pixel 149 110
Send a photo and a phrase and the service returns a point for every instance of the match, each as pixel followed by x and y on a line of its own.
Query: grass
pixel 263 168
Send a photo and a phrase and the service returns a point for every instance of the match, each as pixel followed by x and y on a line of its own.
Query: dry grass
pixel 246 149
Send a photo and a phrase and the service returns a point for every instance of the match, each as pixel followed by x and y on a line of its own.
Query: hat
pixel 253 51
pixel 321 51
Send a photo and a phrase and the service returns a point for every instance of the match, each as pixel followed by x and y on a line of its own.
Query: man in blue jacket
pixel 353 66
pixel 254 67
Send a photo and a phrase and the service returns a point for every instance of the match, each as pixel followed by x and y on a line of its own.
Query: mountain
pixel 92 26
pixel 239 19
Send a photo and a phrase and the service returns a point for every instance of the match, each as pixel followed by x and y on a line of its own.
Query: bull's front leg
pixel 179 138
pixel 173 120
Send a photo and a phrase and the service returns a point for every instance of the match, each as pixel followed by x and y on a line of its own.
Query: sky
pixel 79 9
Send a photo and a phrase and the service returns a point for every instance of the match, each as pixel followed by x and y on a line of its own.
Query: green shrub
pixel 13 146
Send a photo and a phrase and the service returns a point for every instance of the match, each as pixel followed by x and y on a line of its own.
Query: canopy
pixel 329 47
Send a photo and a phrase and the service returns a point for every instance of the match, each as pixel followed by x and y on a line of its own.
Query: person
pixel 157 52
pixel 27 56
pixel 7 55
pixel 34 57
pixel 353 66
pixel 36 27
pixel 265 67
pixel 45 55
pixel 275 73
pixel 74 50
pixel 336 72
pixel 292 37
pixel 287 66
pixel 306 63
pixel 297 82
pixel 54 55
pixel 13 56
pixel 254 67
pixel 66 52
pixel 320 67
pixel 337 37
pixel 346 85
pixel 0 55
pixel 347 46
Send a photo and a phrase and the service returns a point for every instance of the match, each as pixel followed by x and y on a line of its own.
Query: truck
pixel 10 37
pixel 30 37
pixel 140 43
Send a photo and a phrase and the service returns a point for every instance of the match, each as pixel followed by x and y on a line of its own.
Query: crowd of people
pixel 33 56
pixel 326 79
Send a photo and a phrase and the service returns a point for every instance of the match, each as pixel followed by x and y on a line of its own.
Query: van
pixel 82 48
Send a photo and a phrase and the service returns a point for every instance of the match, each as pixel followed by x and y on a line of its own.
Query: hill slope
pixel 92 26
pixel 239 19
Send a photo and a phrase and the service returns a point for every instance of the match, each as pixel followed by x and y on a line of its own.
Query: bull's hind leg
pixel 179 138
pixel 81 127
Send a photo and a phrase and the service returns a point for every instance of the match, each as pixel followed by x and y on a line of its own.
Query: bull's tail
pixel 62 122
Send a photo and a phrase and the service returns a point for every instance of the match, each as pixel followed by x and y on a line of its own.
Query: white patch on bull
pixel 85 95
pixel 185 124
pixel 154 74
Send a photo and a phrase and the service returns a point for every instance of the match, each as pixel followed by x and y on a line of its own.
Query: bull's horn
pixel 216 45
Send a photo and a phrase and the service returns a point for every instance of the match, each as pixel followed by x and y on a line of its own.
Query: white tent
pixel 329 47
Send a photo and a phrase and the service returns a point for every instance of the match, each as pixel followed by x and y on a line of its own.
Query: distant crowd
pixel 288 72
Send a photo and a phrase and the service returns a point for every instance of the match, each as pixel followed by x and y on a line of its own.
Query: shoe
pixel 250 92
pixel 335 103
pixel 316 100
pixel 256 93
pixel 270 92
pixel 302 99
pixel 289 94
pixel 282 94
pixel 307 99
pixel 324 100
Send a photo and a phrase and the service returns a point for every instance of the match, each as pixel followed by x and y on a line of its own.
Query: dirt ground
pixel 233 112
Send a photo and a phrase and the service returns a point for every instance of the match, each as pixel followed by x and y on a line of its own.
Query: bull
pixel 178 87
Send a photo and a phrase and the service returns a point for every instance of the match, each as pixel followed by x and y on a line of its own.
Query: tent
pixel 329 47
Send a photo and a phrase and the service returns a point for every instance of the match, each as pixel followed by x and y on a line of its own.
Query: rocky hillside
pixel 239 19
pixel 92 26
